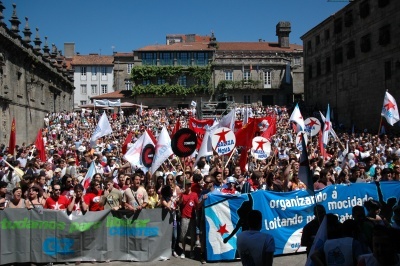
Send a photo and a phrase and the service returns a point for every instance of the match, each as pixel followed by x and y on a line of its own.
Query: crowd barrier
pixel 52 236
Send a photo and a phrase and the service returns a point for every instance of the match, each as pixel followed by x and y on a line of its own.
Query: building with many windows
pixel 351 59
pixel 34 80
pixel 93 76
pixel 244 72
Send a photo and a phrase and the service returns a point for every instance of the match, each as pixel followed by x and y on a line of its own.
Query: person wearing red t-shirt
pixel 93 196
pixel 195 187
pixel 56 201
pixel 188 202
pixel 230 189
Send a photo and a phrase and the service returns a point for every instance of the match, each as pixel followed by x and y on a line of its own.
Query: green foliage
pixel 199 76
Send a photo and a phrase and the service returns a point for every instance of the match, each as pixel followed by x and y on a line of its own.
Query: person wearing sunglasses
pixel 56 201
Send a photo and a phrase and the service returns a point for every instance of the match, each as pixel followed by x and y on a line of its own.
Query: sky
pixel 104 26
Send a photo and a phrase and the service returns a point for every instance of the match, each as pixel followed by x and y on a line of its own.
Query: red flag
pixel 176 127
pixel 151 135
pixel 243 159
pixel 271 128
pixel 245 135
pixel 13 137
pixel 198 126
pixel 126 142
pixel 40 146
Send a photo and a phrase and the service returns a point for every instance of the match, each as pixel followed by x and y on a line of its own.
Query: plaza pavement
pixel 292 260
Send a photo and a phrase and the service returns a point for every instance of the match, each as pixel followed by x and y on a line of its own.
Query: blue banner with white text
pixel 284 214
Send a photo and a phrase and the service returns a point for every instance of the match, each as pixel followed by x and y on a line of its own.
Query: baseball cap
pixel 230 179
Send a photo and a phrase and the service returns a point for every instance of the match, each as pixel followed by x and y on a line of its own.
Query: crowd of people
pixel 181 184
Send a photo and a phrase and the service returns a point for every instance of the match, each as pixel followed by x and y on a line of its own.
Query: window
pixel 246 99
pixel 160 81
pixel 388 70
pixel 146 82
pixel 94 71
pixel 83 71
pixel 182 80
pixel 104 89
pixel 364 9
pixel 297 61
pixel 351 50
pixel 384 35
pixel 365 44
pixel 229 75
pixel 317 40
pixel 309 47
pixel 94 89
pixel 83 89
pixel 267 80
pixel 327 34
pixel 348 18
pixel 337 26
pixel 104 71
pixel 166 59
pixel 246 75
pixel 183 59
pixel 149 59
pixel 128 85
pixel 83 102
pixel 129 68
pixel 201 59
pixel 328 64
pixel 310 71
pixel 383 3
pixel 318 68
pixel 339 55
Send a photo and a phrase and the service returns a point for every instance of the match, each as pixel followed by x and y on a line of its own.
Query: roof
pixel 92 59
pixel 197 38
pixel 222 46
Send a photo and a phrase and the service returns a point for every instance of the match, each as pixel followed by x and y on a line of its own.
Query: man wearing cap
pixel 230 186
pixel 188 202
pixel 71 168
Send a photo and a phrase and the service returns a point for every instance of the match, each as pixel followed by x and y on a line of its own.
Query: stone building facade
pixel 351 59
pixel 265 72
pixel 33 80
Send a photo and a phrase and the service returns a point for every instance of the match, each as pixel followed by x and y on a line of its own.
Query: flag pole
pixel 230 157
pixel 380 125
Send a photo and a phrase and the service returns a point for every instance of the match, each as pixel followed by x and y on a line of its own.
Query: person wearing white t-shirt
pixel 255 247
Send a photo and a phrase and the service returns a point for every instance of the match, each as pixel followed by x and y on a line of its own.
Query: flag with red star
pixel 390 110
pixel 297 118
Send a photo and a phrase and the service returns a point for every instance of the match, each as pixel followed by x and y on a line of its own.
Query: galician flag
pixel 163 150
pixel 298 118
pixel 332 131
pixel 89 174
pixel 390 110
pixel 327 128
pixel 103 128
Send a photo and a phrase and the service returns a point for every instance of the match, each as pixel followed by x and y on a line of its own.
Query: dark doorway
pixel 267 100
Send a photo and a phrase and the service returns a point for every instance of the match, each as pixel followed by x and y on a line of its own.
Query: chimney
pixel 283 29
pixel 69 49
